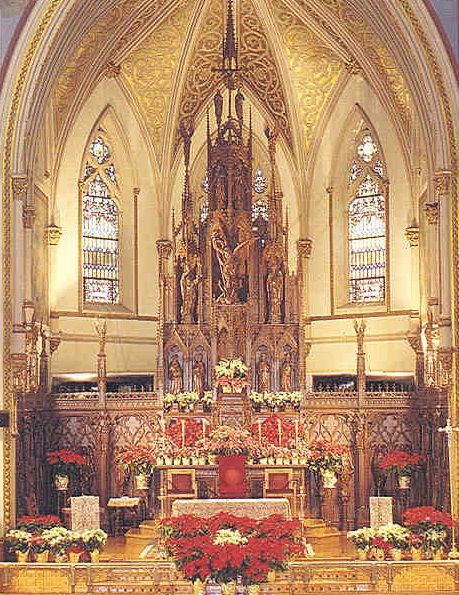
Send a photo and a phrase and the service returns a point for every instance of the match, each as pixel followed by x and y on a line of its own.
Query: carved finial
pixel 229 44
pixel 359 327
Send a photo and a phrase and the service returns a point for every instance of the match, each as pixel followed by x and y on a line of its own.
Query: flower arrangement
pixel 231 372
pixel 326 457
pixel 401 462
pixel 17 540
pixel 93 539
pixel 362 538
pixel 208 399
pixel 36 524
pixel 38 544
pixel 224 546
pixel 59 539
pixel 430 524
pixel 277 430
pixel 65 462
pixel 185 400
pixel 276 400
pixel 140 460
pixel 230 440
pixel 396 536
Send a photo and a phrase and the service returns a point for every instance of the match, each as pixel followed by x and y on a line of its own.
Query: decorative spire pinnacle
pixel 229 44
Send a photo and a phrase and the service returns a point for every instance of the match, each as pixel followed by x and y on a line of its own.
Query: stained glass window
pixel 367 227
pixel 259 182
pixel 260 209
pixel 99 150
pixel 100 227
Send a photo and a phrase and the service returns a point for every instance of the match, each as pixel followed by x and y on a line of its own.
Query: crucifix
pixel 449 430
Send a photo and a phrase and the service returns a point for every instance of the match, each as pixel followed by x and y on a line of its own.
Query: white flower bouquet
pixel 93 539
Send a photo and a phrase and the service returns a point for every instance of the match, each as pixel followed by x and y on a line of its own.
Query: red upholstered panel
pixel 231 474
pixel 279 482
pixel 182 483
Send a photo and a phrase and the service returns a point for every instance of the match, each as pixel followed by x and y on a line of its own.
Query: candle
pixel 279 431
pixel 296 432
pixel 204 421
pixel 259 430
pixel 182 421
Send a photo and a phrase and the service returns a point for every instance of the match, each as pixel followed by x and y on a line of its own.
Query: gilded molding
pixel 412 236
pixel 432 212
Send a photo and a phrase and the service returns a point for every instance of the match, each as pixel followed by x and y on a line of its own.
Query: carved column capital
pixel 28 216
pixel 164 248
pixel 19 185
pixel 412 236
pixel 54 342
pixel 415 341
pixel 304 247
pixel 432 212
pixel 136 192
pixel 53 234
pixel 445 361
pixel 442 182
pixel 19 369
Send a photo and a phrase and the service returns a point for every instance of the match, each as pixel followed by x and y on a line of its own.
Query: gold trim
pixel 359 312
pixel 136 192
pixel 105 313
pixel 330 249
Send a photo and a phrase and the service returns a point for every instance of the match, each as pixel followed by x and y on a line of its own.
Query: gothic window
pixel 100 227
pixel 367 225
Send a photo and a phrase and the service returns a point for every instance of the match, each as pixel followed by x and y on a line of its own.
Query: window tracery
pixel 100 228
pixel 367 225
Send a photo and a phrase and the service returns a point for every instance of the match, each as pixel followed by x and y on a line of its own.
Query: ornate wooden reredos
pixel 229 293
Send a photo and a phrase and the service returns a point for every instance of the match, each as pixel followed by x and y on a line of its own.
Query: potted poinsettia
pixel 231 375
pixel 432 526
pixel 398 538
pixel 93 541
pixel 17 542
pixel 403 464
pixel 328 460
pixel 362 540
pixel 139 460
pixel 65 465
pixel 39 546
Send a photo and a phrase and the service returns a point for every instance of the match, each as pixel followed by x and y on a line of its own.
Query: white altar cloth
pixel 256 508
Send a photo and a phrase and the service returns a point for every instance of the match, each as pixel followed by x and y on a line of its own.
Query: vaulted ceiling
pixel 297 55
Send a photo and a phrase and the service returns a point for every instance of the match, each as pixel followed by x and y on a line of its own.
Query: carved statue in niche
pixel 199 374
pixel 263 374
pixel 274 290
pixel 175 375
pixel 189 283
pixel 286 373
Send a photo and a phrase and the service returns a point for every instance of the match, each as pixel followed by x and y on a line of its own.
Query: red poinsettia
pixel 138 459
pixel 401 462
pixel 186 431
pixel 225 546
pixel 65 462
pixel 326 456
pixel 36 524
pixel 276 430
pixel 426 515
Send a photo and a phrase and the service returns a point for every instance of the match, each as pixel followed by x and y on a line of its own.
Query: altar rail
pixel 161 578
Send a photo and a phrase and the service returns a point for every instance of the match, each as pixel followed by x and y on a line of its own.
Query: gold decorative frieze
pixel 412 236
pixel 53 234
pixel 432 212
pixel 150 68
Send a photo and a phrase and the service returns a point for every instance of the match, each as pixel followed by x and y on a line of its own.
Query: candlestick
pixel 296 432
pixel 279 431
pixel 259 430
pixel 204 421
pixel 182 421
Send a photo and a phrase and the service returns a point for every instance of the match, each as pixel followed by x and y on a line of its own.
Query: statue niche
pixel 263 373
pixel 198 374
pixel 175 375
pixel 287 373
pixel 190 279
pixel 275 290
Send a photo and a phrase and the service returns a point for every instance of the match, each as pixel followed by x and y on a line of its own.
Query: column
pixel 101 328
pixel 304 250
pixel 164 248
pixel 359 328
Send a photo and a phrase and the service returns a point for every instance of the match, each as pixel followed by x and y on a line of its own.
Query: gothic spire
pixel 229 43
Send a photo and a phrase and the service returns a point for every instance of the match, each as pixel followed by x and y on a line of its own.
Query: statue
pixel 189 282
pixel 239 106
pixel 175 375
pixel 286 373
pixel 263 374
pixel 275 287
pixel 218 103
pixel 199 375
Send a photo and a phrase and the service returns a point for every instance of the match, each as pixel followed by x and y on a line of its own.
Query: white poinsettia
pixel 232 368
pixel 232 536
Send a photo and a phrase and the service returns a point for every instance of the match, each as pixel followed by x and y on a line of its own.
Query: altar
pixel 256 508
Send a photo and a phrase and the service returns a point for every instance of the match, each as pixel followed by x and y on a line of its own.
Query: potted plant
pixel 231 375
pixel 327 460
pixel 208 401
pixel 59 539
pixel 65 465
pixel 39 547
pixel 38 523
pixel 432 526
pixel 403 464
pixel 18 542
pixel 362 539
pixel 139 460
pixel 93 540
pixel 398 538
